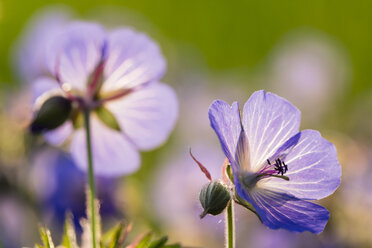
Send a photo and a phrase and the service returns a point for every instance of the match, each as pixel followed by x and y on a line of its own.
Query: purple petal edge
pixel 281 210
pixel 225 121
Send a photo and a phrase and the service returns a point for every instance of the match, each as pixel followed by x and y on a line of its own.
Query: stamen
pixel 279 166
pixel 277 169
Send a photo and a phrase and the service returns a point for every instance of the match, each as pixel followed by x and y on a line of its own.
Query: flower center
pixel 92 100
pixel 277 169
pixel 279 166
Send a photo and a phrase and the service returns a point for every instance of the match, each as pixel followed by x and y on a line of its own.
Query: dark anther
pixel 285 167
pixel 280 166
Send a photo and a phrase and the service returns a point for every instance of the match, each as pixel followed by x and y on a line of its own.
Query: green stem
pixel 229 236
pixel 90 175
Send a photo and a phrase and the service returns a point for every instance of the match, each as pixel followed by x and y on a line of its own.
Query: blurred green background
pixel 229 46
pixel 229 34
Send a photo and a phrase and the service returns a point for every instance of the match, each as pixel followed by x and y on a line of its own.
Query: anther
pixel 280 166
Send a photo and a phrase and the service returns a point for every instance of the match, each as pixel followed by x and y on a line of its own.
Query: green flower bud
pixel 214 198
pixel 53 113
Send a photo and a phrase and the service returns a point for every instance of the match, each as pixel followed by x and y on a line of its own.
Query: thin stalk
pixel 229 235
pixel 90 175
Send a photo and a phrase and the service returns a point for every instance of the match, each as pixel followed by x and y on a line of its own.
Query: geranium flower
pixel 29 50
pixel 276 168
pixel 116 74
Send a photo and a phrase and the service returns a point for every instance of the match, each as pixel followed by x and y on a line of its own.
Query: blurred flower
pixel 117 75
pixel 198 91
pixel 16 220
pixel 60 187
pixel 276 168
pixel 29 52
pixel 311 71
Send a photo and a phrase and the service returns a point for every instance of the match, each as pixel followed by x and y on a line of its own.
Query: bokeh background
pixel 315 53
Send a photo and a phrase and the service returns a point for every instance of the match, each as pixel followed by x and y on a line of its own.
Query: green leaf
pixel 115 236
pixel 107 117
pixel 46 237
pixel 145 241
pixel 159 243
pixel 110 234
pixel 69 236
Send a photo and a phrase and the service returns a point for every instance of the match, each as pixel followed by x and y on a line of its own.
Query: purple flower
pixel 276 168
pixel 29 50
pixel 60 187
pixel 117 72
pixel 311 71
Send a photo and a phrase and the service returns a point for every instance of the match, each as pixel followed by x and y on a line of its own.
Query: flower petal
pixel 313 169
pixel 44 87
pixel 113 155
pixel 147 115
pixel 59 135
pixel 280 210
pixel 268 121
pixel 242 152
pixel 30 51
pixel 132 59
pixel 225 120
pixel 75 53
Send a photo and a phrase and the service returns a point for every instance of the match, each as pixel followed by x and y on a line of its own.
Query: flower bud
pixel 53 113
pixel 214 198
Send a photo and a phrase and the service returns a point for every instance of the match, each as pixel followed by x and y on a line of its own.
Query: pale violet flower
pixel 29 50
pixel 59 187
pixel 311 70
pixel 117 72
pixel 277 169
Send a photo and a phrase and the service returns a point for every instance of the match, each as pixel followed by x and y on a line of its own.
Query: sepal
pixel 52 114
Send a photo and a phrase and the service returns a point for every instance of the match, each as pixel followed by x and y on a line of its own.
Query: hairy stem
pixel 90 175
pixel 229 235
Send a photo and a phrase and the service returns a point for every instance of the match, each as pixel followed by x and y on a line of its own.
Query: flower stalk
pixel 229 235
pixel 90 174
